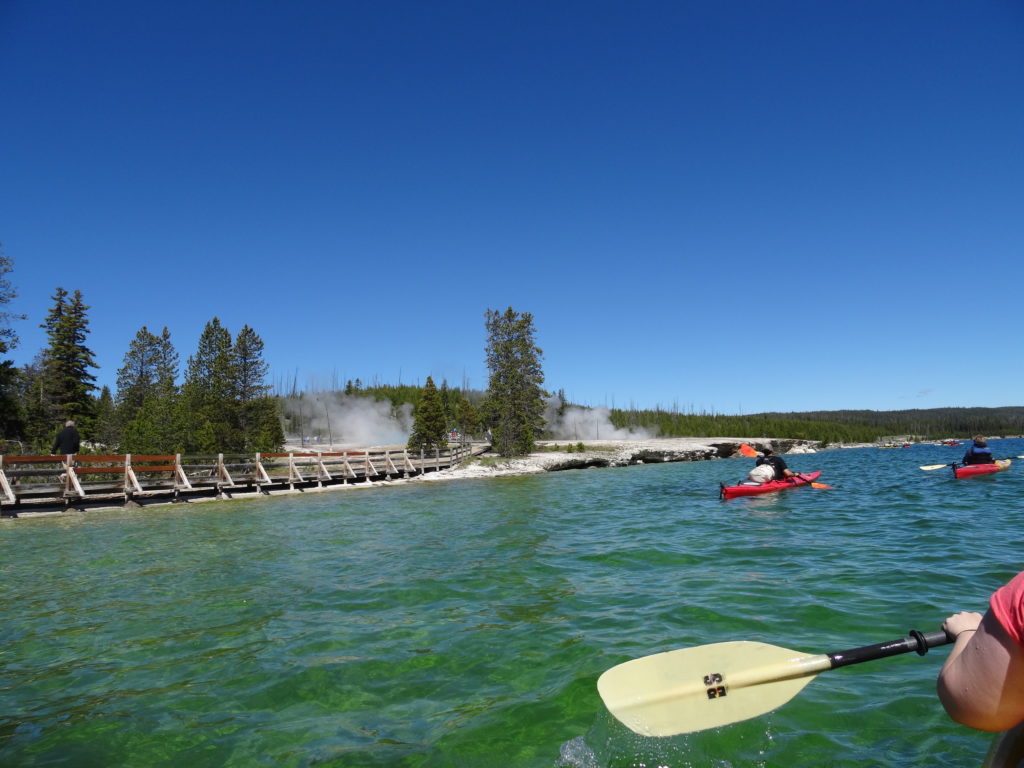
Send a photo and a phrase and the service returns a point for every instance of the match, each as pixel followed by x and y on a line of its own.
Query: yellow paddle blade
pixel 820 485
pixel 747 451
pixel 930 467
pixel 708 686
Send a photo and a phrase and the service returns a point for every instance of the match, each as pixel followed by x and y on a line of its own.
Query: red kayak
pixel 973 470
pixel 753 489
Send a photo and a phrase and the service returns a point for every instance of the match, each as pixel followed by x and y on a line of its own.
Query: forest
pixel 221 402
pixel 829 427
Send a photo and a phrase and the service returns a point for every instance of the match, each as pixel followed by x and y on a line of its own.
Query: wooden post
pixel 180 478
pixel 131 482
pixel 261 472
pixel 5 486
pixel 388 462
pixel 71 485
pixel 224 479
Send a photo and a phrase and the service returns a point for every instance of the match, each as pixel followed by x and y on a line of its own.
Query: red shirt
pixel 1007 604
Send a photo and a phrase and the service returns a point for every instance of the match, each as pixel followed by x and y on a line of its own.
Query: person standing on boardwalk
pixel 68 440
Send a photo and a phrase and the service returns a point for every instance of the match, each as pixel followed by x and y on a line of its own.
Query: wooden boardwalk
pixel 54 483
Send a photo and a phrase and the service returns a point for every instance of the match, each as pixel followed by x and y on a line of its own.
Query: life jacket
pixel 976 455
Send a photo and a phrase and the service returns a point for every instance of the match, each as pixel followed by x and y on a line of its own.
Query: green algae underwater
pixel 465 623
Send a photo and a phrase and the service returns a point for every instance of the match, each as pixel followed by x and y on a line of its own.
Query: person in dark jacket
pixel 979 452
pixel 67 440
pixel 776 462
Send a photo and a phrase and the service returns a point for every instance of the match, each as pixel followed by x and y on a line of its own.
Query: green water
pixel 465 623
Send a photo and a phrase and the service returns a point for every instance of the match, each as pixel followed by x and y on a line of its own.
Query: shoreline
pixel 552 456
pixel 615 453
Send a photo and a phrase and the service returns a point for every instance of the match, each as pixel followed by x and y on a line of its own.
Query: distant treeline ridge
pixel 847 426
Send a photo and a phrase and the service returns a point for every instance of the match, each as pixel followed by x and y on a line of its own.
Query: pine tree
pixel 12 412
pixel 428 427
pixel 515 404
pixel 266 433
pixel 156 425
pixel 211 419
pixel 66 361
pixel 256 412
pixel 467 417
pixel 136 378
pixel 8 338
pixel 251 369
pixel 105 429
pixel 446 402
pixel 38 408
pixel 166 363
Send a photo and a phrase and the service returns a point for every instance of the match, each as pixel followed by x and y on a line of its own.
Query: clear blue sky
pixel 729 206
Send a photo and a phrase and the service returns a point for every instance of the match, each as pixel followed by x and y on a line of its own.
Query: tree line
pixel 510 413
pixel 829 427
pixel 223 404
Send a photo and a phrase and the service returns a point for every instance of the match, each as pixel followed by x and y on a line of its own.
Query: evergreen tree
pixel 257 413
pixel 428 428
pixel 251 369
pixel 67 381
pixel 137 377
pixel 8 338
pixel 156 426
pixel 12 413
pixel 105 429
pixel 467 417
pixel 166 363
pixel 148 417
pixel 515 404
pixel 210 416
pixel 38 408
pixel 445 395
pixel 265 433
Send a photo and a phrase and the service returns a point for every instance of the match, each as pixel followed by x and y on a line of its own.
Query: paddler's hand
pixel 958 623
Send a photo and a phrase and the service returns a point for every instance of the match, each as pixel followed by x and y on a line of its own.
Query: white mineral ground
pixel 553 455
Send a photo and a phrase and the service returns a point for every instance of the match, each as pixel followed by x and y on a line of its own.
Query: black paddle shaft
pixel 917 641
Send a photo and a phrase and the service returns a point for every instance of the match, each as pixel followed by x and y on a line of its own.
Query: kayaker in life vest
pixel 769 459
pixel 979 452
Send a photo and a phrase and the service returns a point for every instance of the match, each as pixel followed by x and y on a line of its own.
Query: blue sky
pixel 728 206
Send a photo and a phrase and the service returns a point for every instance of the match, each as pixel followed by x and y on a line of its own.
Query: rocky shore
pixel 558 455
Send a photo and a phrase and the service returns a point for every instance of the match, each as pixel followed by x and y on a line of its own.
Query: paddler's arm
pixel 981 685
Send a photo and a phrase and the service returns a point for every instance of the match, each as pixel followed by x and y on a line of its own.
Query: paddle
pixel 813 485
pixel 692 689
pixel 747 451
pixel 930 467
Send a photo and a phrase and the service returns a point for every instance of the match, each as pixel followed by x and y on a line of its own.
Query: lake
pixel 465 623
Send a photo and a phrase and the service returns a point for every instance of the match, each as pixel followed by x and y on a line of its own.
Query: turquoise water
pixel 465 623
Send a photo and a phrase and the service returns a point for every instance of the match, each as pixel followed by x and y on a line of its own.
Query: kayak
pixel 972 470
pixel 753 489
pixel 1007 749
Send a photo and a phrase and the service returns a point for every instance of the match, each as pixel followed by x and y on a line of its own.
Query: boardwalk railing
pixel 39 483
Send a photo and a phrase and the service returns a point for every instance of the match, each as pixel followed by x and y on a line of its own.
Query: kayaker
pixel 979 452
pixel 981 685
pixel 768 457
